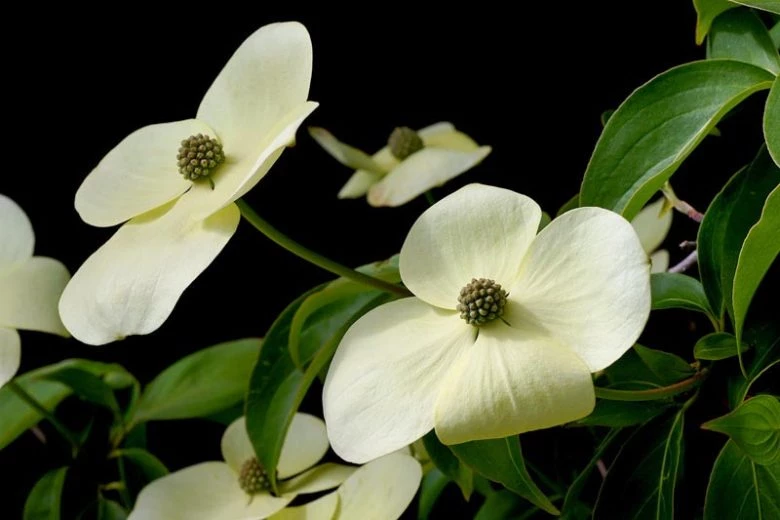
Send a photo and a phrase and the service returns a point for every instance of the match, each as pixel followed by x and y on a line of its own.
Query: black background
pixel 531 80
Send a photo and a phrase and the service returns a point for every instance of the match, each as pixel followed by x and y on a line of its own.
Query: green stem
pixel 123 493
pixel 315 258
pixel 655 393
pixel 38 407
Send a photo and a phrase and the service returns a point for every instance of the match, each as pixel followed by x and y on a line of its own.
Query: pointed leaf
pixel 43 502
pixel 150 466
pixel 755 427
pixel 449 464
pixel 706 11
pixel 772 118
pixel 739 489
pixel 501 460
pixel 717 346
pixel 667 367
pixel 433 484
pixel 764 341
pixel 678 291
pixel 88 386
pixel 773 6
pixel 658 126
pixel 741 35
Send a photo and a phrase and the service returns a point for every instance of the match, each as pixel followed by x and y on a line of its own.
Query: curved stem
pixel 313 257
pixel 38 407
pixel 655 393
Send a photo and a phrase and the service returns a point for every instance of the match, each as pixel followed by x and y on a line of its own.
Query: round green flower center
pixel 253 479
pixel 198 156
pixel 480 301
pixel 404 142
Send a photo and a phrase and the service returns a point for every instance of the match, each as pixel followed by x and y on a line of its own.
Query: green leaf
pixel 546 219
pixel 774 33
pixel 501 460
pixel 573 493
pixel 88 386
pixel 658 126
pixel 764 339
pixel 667 367
pixel 43 502
pixel 201 384
pixel 500 506
pixel 110 510
pixel 741 35
pixel 726 224
pixel 772 119
pixel 773 6
pixel 631 373
pixel 618 414
pixel 433 484
pixel 761 247
pixel 569 205
pixel 150 466
pixel 449 464
pixel 755 427
pixel 740 489
pixel 716 346
pixel 706 11
pixel 641 482
pixel 278 385
pixel 678 291
pixel 18 417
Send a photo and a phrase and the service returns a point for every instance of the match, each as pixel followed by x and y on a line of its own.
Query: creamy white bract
pixel 652 224
pixel 578 298
pixel 30 287
pixel 211 490
pixel 174 228
pixel 388 181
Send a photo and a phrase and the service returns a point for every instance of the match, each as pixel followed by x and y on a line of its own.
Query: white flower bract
pixel 174 228
pixel 578 298
pixel 652 224
pixel 30 287
pixel 389 182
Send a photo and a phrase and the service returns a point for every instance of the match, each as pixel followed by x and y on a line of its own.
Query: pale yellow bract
pixel 30 287
pixel 579 296
pixel 652 224
pixel 174 228
pixel 210 491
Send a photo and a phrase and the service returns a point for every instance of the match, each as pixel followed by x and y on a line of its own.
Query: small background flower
pixel 652 224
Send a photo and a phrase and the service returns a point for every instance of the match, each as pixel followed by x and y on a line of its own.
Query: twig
pixel 686 263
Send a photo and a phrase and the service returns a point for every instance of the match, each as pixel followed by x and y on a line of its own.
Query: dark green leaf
pixel 755 427
pixel 706 11
pixel 201 384
pixel 449 464
pixel 433 484
pixel 501 460
pixel 764 340
pixel 773 6
pixel 573 493
pixel 278 385
pixel 110 510
pixel 569 205
pixel 658 126
pixel 149 465
pixel 774 33
pixel 726 224
pixel 17 416
pixel 741 35
pixel 618 414
pixel 678 291
pixel 43 502
pixel 500 505
pixel 761 247
pixel 740 489
pixel 546 219
pixel 606 115
pixel 716 346
pixel 667 367
pixel 772 118
pixel 88 386
pixel 641 482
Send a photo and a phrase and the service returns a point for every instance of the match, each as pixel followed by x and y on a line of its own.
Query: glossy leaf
pixel 677 291
pixel 772 119
pixel 641 483
pixel 88 386
pixel 43 502
pixel 741 35
pixel 449 464
pixel 150 466
pixel 433 483
pixel 706 12
pixel 631 373
pixel 573 493
pixel 755 427
pixel 500 506
pixel 764 341
pixel 773 6
pixel 716 346
pixel 501 460
pixel 726 224
pixel 18 416
pixel 774 33
pixel 619 414
pixel 201 384
pixel 668 368
pixel 658 126
pixel 760 249
pixel 739 489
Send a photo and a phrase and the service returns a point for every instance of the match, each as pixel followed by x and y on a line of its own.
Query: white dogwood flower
pixel 175 183
pixel 502 335
pixel 411 163
pixel 238 489
pixel 30 287
pixel 652 224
